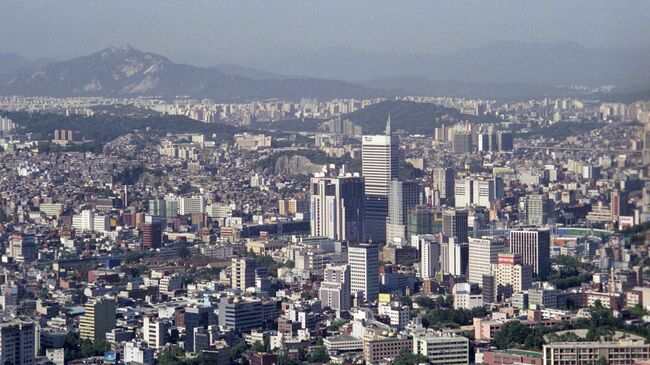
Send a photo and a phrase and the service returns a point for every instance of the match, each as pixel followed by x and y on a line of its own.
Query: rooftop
pixel 522 353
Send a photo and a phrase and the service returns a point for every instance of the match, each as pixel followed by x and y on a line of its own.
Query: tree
pixel 440 301
pixel 176 356
pixel 171 356
pixel 237 350
pixel 257 347
pixel 86 348
pixel 637 311
pixel 600 333
pixel 268 263
pixel 138 269
pixel 446 316
pixel 101 346
pixel 71 346
pixel 132 257
pixel 535 338
pixel 286 360
pixel 511 333
pixel 569 262
pixel 319 355
pixel 425 302
pixel 565 337
pixel 336 325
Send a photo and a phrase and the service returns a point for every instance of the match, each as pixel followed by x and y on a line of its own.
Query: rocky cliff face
pixel 295 165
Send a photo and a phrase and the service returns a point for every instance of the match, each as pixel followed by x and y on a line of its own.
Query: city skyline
pixel 366 183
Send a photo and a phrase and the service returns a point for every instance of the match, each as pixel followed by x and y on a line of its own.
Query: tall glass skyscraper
pixel 336 206
pixel 380 165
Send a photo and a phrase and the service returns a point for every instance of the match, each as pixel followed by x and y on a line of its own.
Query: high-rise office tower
pixel 645 199
pixel 484 192
pixel 242 273
pixel 157 207
pixel 198 317
pixel 492 138
pixel 337 205
pixel 241 315
pixel 380 165
pixel 454 257
pixel 424 220
pixel 483 252
pixel 463 192
pixel 483 142
pixel 171 207
pixel 152 234
pixel 429 259
pixel 511 275
pixel 84 221
pixel 335 290
pixel 17 342
pixel 22 247
pixel 262 281
pixel 154 331
pixel 455 224
pixel 488 287
pixel 125 196
pixel 504 141
pixel 646 143
pixel 619 204
pixel 487 140
pixel 363 259
pixel 402 197
pixel 189 205
pixel 98 318
pixel 534 246
pixel 462 142
pixel 479 191
pixel 537 209
pixel 443 181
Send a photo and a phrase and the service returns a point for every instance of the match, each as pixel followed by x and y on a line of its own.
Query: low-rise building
pixel 442 349
pixel 623 352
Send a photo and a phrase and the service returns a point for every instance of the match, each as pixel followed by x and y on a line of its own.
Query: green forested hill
pixel 409 116
pixel 103 128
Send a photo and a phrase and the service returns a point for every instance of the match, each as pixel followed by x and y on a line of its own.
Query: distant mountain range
pixel 502 71
pixel 251 73
pixel 11 62
pixel 547 64
pixel 486 90
pixel 124 72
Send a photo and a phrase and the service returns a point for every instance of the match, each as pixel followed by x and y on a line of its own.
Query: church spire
pixel 387 131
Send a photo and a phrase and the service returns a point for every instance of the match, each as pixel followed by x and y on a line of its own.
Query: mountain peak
pixel 129 55
pixel 125 71
pixel 125 48
pixel 122 51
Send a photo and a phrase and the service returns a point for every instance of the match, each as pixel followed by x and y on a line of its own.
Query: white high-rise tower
pixel 363 259
pixel 380 165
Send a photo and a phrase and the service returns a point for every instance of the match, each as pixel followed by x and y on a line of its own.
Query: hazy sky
pixel 207 32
